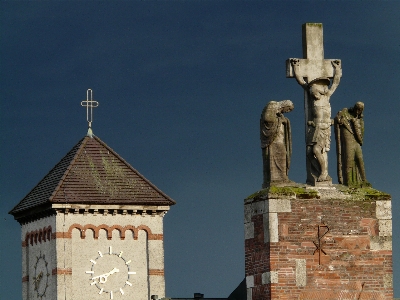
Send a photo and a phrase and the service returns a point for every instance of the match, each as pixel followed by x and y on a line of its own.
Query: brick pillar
pixel 318 243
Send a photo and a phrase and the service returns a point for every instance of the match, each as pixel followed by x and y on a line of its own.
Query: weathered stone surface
pixel 249 230
pixel 271 232
pixel 381 243
pixel 249 281
pixel 276 142
pixel 247 213
pixel 301 274
pixel 279 205
pixel 349 134
pixel 274 276
pixel 269 277
pixel 249 294
pixel 384 210
pixel 388 281
pixel 385 227
pixel 313 73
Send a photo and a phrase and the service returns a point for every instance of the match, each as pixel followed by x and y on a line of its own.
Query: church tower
pixel 92 229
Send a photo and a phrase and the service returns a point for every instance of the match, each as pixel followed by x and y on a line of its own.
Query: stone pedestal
pixel 304 242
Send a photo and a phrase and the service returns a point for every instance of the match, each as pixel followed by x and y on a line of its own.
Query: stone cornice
pixel 112 209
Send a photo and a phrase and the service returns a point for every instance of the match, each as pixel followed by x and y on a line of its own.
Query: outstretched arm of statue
pixel 296 64
pixel 336 79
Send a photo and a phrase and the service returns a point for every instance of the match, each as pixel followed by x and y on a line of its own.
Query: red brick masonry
pixel 157 272
pixel 61 271
pixel 355 257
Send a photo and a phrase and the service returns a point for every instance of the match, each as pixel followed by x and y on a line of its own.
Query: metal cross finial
pixel 89 103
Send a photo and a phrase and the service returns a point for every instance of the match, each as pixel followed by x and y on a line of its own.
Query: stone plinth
pixel 302 242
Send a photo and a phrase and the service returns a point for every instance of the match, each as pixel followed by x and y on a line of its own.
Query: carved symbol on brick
pixel 318 246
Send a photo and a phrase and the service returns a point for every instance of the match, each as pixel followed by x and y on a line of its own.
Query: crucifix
pixel 89 103
pixel 314 74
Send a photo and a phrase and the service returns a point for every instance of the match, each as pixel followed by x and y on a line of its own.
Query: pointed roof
pixel 92 173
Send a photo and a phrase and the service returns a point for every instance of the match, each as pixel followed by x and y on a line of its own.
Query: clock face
pixel 41 276
pixel 110 273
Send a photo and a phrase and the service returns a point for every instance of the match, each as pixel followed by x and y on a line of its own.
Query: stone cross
pixel 313 69
pixel 313 65
pixel 89 103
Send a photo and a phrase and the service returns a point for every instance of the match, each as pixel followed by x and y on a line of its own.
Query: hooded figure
pixel 349 132
pixel 276 142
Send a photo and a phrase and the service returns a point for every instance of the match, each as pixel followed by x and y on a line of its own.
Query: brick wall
pixel 351 258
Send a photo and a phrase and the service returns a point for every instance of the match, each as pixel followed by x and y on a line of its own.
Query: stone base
pixel 312 180
pixel 279 184
pixel 301 240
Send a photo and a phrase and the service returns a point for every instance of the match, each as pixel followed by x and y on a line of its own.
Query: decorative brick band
pixel 37 236
pixel 156 237
pixel 61 235
pixel 61 271
pixel 25 279
pixel 156 272
pixel 109 229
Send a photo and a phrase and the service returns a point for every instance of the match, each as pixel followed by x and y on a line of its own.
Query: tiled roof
pixel 92 173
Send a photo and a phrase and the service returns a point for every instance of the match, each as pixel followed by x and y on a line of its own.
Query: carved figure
pixel 349 133
pixel 318 132
pixel 276 142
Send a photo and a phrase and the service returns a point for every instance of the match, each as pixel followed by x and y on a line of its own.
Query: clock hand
pixel 103 277
pixel 115 270
pixel 37 279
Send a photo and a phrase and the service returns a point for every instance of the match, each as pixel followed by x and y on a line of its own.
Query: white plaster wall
pixel 30 254
pixel 76 253
pixel 156 262
pixel 84 250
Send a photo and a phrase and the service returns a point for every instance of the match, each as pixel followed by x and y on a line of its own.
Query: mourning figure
pixel 276 142
pixel 319 122
pixel 349 132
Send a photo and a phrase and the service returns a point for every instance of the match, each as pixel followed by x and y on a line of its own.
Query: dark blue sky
pixel 181 86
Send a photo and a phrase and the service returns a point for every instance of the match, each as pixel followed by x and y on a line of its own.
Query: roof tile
pixel 93 173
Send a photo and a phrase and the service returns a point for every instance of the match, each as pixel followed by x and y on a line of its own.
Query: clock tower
pixel 92 229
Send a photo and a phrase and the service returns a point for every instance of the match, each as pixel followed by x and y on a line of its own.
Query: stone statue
pixel 276 142
pixel 318 131
pixel 349 132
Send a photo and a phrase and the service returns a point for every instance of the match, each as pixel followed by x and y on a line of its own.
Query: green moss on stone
pixel 258 194
pixel 298 192
pixel 315 24
pixel 367 193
